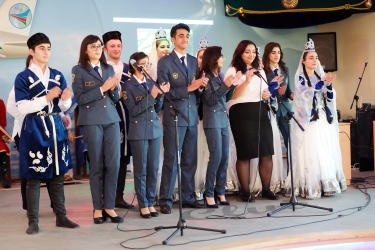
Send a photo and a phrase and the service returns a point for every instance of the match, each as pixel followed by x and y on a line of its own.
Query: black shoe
pixel 116 219
pixel 120 203
pixel 4 176
pixel 98 220
pixel 194 204
pixel 206 203
pixel 63 221
pixel 146 216
pixel 33 228
pixel 154 214
pixel 165 209
pixel 247 197
pixel 217 200
pixel 269 195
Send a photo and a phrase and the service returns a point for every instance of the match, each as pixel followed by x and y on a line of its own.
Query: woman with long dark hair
pixel 316 151
pixel 249 120
pixel 215 124
pixel 274 66
pixel 95 89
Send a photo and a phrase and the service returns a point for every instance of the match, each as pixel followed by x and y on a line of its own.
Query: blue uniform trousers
pixel 103 142
pixel 187 137
pixel 146 164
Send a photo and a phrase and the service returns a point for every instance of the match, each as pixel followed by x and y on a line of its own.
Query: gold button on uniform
pixel 151 111
pixel 189 106
pixel 105 106
pixel 87 106
pixel 136 121
pixel 151 120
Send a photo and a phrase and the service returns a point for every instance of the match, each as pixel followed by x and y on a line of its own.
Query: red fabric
pixel 3 123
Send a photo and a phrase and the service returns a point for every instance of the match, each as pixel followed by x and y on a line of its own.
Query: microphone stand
pixel 293 199
pixel 355 98
pixel 181 224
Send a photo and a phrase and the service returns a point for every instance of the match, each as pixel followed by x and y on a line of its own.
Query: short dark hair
pixel 83 58
pixel 209 60
pixel 237 61
pixel 136 56
pixel 177 27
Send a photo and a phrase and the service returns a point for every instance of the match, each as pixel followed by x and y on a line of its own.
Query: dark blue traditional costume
pixel 44 147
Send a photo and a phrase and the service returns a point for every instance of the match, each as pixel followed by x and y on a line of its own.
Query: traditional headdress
pixel 36 39
pixel 153 57
pixel 203 44
pixel 111 35
pixel 160 35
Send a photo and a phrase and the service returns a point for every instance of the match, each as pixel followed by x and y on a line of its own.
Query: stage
pixel 306 228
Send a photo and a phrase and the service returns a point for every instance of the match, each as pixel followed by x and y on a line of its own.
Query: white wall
pixel 355 45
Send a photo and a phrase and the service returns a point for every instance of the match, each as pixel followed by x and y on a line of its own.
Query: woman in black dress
pixel 249 121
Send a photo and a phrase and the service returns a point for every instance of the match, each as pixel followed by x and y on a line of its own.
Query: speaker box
pixel 325 46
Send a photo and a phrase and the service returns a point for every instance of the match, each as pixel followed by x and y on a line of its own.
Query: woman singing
pixel 144 100
pixel 249 120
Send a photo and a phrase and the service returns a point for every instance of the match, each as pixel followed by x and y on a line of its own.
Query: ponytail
pixel 29 58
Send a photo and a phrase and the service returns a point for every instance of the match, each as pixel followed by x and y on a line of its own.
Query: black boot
pixel 3 170
pixel 23 193
pixel 119 201
pixel 33 194
pixel 58 201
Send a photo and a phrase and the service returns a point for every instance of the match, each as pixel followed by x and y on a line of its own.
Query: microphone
pixel 135 65
pixel 256 72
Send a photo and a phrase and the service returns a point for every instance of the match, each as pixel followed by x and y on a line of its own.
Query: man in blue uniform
pixel 180 69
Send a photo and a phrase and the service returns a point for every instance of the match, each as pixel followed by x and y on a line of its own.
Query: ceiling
pixel 288 14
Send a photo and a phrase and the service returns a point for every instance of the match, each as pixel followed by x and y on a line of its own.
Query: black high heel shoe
pixel 146 216
pixel 116 219
pixel 217 200
pixel 269 195
pixel 98 220
pixel 206 203
pixel 247 197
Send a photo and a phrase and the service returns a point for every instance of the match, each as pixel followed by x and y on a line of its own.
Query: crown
pixel 203 44
pixel 309 46
pixel 160 34
pixel 258 51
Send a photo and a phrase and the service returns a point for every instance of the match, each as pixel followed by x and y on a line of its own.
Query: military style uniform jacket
pixel 95 107
pixel 215 114
pixel 171 70
pixel 143 109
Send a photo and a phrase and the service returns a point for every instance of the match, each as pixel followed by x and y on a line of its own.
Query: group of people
pixel 125 112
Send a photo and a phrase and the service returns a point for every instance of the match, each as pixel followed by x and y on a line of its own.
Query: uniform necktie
pixel 96 68
pixel 145 86
pixel 276 71
pixel 183 64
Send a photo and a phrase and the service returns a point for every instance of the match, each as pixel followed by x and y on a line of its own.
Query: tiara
pixel 309 46
pixel 160 34
pixel 203 44
pixel 258 51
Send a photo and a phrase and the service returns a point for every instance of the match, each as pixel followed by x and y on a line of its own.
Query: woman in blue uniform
pixel 144 100
pixel 41 94
pixel 95 89
pixel 215 124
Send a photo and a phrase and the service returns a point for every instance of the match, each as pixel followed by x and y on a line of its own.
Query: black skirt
pixel 251 128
